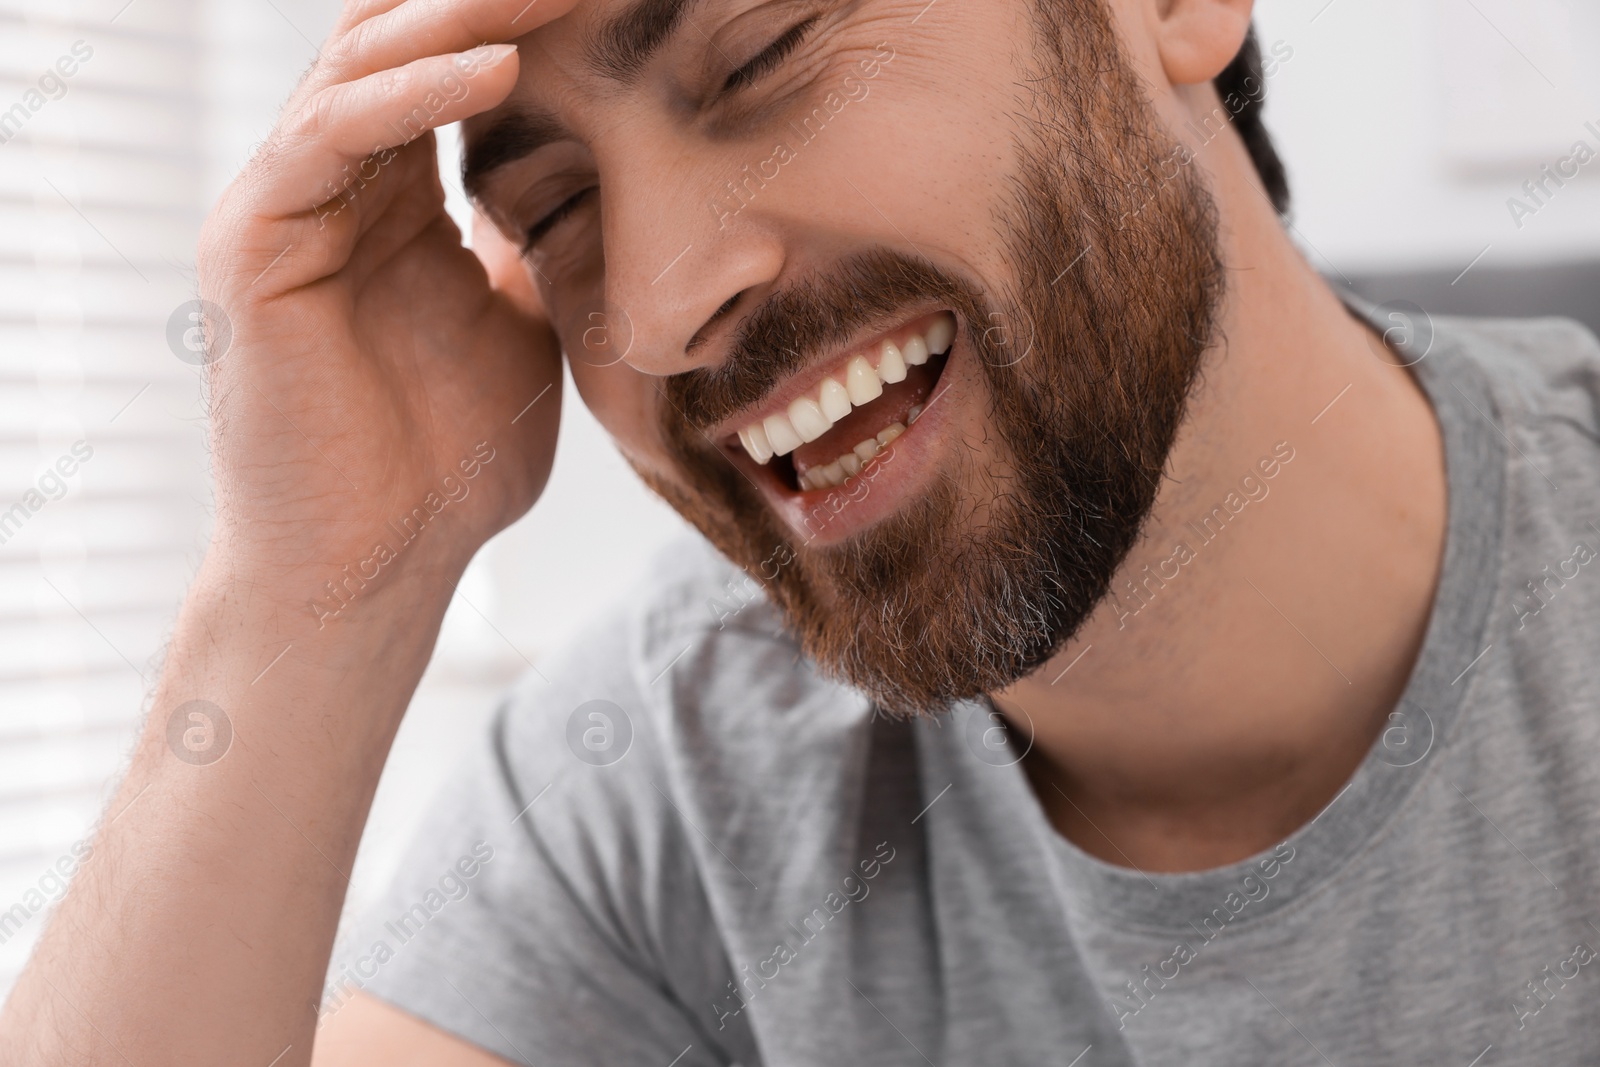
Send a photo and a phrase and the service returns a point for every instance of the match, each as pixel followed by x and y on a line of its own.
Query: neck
pixel 1261 631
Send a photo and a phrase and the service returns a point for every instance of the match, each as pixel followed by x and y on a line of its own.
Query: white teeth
pixel 806 416
pixel 757 444
pixel 809 417
pixel 862 382
pixel 780 434
pixel 852 463
pixel 891 368
pixel 834 400
pixel 825 477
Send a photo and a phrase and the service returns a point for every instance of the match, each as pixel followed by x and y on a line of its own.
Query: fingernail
pixel 485 55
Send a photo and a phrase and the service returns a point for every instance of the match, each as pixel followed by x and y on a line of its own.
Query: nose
pixel 678 268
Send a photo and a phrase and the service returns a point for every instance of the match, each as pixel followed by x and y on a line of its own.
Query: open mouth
pixel 850 415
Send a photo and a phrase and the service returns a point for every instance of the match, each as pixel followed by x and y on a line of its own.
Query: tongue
pixel 893 406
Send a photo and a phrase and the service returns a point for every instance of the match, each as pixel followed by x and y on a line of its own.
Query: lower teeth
pixel 857 459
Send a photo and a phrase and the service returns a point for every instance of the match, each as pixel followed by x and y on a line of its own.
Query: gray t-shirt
pixel 686 847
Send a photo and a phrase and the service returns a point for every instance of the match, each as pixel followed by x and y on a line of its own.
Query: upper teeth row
pixel 812 415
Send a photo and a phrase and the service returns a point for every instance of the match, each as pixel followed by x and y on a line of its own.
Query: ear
pixel 508 271
pixel 1198 38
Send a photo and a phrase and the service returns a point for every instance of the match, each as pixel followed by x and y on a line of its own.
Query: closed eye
pixel 769 57
pixel 537 231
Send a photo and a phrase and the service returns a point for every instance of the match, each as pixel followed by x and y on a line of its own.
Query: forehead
pixel 611 39
pixel 643 63
pixel 599 47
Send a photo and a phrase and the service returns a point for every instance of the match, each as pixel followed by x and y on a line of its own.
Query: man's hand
pixel 370 358
pixel 380 411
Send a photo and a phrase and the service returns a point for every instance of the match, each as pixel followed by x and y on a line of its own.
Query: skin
pixel 372 353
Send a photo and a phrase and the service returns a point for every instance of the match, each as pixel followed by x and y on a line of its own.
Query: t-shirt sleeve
pixel 548 909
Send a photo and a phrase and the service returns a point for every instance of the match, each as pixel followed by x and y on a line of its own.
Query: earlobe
pixel 1198 38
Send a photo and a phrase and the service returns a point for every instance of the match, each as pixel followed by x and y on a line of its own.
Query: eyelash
pixel 764 61
pixel 546 224
pixel 769 57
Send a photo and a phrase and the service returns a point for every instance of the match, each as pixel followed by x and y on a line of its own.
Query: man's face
pixel 898 303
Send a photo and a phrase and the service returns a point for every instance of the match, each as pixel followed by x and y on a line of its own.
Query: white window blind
pixel 102 489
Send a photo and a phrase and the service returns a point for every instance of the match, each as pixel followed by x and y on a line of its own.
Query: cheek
pixel 916 160
pixel 624 402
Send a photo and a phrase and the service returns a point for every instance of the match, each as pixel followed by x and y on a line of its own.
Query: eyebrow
pixel 513 135
pixel 625 44
pixel 619 50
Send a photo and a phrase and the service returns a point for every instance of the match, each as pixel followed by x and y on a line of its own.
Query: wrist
pixel 250 641
pixel 332 590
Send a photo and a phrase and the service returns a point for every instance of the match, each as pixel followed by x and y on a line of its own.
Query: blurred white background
pixel 1406 127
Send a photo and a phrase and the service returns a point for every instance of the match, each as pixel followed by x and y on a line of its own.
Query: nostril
pixel 700 336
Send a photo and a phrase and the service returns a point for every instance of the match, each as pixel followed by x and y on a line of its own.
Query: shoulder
pixel 1520 399
pixel 588 917
pixel 692 633
pixel 1543 374
pixel 685 695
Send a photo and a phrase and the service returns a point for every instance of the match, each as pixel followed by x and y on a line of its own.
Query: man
pixel 1129 654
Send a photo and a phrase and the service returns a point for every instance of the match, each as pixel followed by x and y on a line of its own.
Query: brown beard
pixel 1089 355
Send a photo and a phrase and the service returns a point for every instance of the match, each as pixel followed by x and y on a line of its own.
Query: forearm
pixel 200 929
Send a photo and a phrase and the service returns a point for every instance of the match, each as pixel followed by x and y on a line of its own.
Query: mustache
pixel 795 326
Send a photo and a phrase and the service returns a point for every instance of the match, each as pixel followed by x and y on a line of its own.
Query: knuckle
pixel 317 116
pixel 354 12
pixel 345 53
pixel 391 84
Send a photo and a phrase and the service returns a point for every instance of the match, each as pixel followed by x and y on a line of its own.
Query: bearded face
pixel 918 369
pixel 1085 353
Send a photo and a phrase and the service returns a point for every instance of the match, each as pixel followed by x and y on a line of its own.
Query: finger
pixel 267 257
pixel 404 33
pixel 362 231
pixel 356 12
pixel 345 134
pixel 326 70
